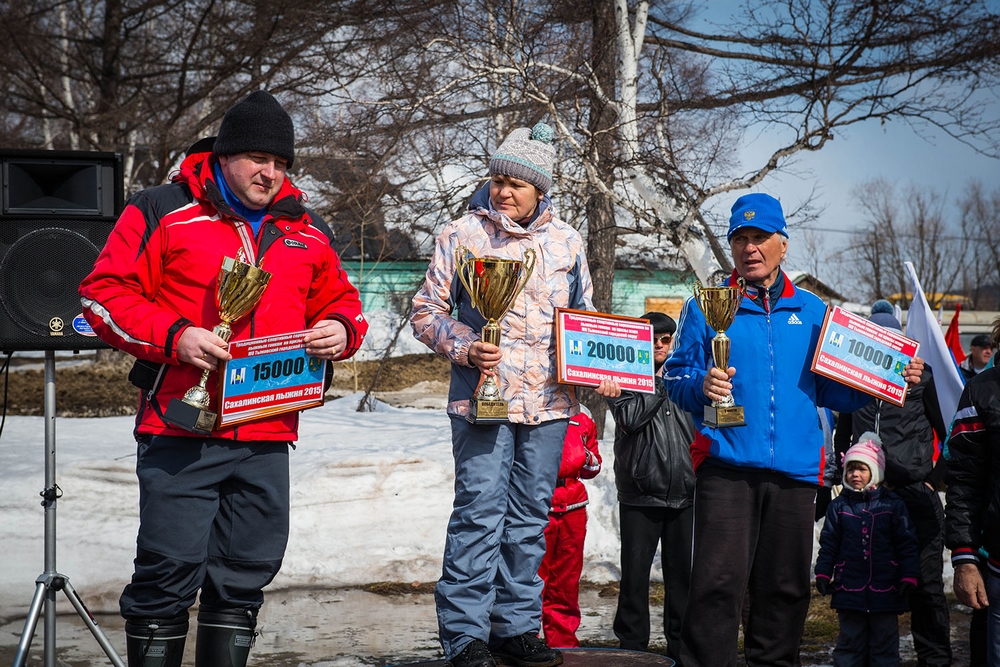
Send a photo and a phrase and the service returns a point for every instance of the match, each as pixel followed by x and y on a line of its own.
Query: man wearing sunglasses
pixel 655 483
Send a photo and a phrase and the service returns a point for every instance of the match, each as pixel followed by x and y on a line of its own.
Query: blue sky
pixel 896 151
pixel 862 153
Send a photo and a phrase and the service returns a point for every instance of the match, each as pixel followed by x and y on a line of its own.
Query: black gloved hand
pixel 906 588
pixel 823 585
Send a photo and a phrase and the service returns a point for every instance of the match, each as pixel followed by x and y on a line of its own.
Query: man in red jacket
pixel 214 509
pixel 564 536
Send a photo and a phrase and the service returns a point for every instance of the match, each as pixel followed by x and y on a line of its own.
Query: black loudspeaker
pixel 57 211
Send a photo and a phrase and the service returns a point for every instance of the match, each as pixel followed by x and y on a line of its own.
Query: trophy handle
pixel 741 283
pixel 697 289
pixel 461 266
pixel 734 307
pixel 528 265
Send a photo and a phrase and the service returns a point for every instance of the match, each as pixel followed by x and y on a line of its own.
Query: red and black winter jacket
pixel 972 510
pixel 158 272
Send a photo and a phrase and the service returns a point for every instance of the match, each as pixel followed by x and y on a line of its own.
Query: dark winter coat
pixel 907 433
pixel 867 548
pixel 972 510
pixel 652 450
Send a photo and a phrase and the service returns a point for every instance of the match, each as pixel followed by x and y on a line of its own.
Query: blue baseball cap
pixel 757 210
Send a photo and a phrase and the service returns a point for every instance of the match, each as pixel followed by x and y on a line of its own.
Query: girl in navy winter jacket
pixel 868 558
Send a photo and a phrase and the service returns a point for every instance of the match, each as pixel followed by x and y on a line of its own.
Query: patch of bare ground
pixel 102 389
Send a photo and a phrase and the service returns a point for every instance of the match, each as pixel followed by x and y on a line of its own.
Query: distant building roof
pixel 936 300
pixel 816 286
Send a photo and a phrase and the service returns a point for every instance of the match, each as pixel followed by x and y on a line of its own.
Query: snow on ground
pixel 371 495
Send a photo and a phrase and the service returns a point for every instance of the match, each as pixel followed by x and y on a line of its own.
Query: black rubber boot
pixel 153 642
pixel 225 637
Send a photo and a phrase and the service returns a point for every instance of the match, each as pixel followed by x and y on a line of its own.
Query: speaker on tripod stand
pixel 58 208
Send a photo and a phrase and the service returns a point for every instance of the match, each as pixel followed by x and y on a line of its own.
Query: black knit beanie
pixel 257 123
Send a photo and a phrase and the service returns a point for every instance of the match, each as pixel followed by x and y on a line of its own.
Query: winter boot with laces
pixel 475 654
pixel 527 650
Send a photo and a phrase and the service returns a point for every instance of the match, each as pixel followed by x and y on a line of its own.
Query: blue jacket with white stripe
pixel 772 353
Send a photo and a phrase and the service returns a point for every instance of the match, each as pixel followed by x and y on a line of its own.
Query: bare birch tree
pixel 655 131
pixel 651 111
pixel 801 68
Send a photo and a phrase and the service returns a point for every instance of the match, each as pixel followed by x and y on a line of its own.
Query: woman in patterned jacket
pixel 489 597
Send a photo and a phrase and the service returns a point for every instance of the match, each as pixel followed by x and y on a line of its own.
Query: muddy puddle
pixel 303 628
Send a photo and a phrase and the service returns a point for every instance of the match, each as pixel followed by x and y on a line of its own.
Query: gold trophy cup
pixel 240 287
pixel 719 305
pixel 493 284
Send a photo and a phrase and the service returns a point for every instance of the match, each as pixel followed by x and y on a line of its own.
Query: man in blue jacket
pixel 756 484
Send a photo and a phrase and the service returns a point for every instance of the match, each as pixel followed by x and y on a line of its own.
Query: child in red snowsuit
pixel 563 562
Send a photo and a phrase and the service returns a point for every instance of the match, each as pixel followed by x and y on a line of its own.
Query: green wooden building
pixel 390 286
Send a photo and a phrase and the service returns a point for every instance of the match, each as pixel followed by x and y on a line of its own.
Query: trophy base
pixel 189 417
pixel 487 412
pixel 724 417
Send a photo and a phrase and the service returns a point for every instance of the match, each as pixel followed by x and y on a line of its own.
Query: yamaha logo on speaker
pixel 56 326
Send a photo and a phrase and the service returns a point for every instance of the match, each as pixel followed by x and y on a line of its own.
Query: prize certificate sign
pixel 595 346
pixel 268 376
pixel 863 355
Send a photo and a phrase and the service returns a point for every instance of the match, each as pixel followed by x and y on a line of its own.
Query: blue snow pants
pixel 504 478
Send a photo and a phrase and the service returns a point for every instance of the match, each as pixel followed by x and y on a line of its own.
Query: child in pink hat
pixel 868 558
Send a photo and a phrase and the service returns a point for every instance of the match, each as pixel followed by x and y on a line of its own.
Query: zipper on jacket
pixel 770 351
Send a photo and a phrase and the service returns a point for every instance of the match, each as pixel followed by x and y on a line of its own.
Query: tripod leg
pixel 92 625
pixel 30 623
pixel 47 585
pixel 50 581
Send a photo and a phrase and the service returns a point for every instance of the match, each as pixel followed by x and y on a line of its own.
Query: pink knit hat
pixel 868 451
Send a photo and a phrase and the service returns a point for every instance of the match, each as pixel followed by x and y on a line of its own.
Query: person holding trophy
pixel 503 268
pixel 226 250
pixel 741 367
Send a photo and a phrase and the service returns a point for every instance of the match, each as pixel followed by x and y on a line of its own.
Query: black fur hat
pixel 662 324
